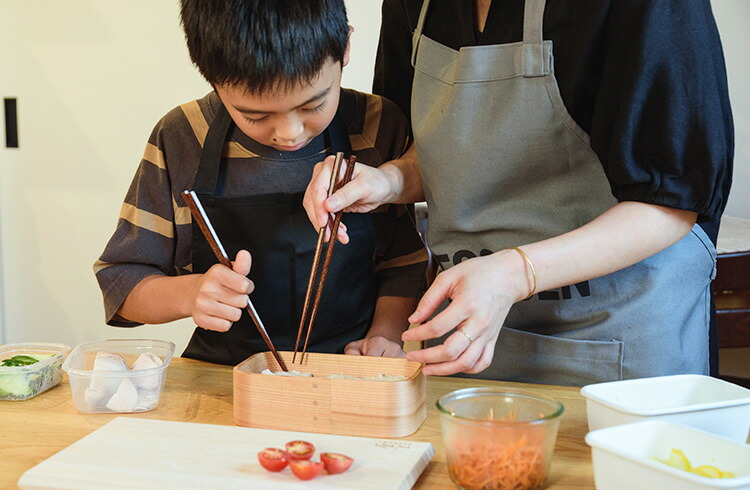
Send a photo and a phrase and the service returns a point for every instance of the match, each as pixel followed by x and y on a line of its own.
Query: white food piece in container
pixel 125 398
pixel 147 400
pixel 147 361
pixel 102 386
pixel 381 377
pixel 292 373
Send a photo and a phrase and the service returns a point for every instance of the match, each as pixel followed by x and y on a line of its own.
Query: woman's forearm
pixel 404 178
pixel 627 233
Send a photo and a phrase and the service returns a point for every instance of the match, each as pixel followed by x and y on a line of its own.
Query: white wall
pixel 364 16
pixel 92 77
pixel 95 81
pixel 732 17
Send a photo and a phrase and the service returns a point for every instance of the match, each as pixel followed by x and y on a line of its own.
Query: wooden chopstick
pixel 329 253
pixel 199 214
pixel 316 257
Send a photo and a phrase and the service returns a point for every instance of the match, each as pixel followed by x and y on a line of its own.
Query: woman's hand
pixel 481 290
pixel 368 189
pixel 396 181
pixel 375 346
pixel 221 293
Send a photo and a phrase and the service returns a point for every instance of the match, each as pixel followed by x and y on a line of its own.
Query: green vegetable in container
pixel 17 385
pixel 26 383
pixel 22 360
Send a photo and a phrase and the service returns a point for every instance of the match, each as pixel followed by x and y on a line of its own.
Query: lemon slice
pixel 679 460
pixel 707 471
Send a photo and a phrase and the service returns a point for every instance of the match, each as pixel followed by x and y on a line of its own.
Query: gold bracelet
pixel 531 266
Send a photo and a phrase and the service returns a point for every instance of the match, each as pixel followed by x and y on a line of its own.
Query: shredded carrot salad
pixel 498 459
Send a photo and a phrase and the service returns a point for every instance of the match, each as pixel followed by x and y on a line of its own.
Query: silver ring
pixel 466 335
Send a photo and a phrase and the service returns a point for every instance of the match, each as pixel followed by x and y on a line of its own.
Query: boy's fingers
pixel 354 348
pixel 242 263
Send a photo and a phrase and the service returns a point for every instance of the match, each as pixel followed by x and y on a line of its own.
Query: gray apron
pixel 504 164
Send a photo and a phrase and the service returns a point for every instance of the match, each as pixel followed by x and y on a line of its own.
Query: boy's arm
pixel 214 299
pixel 145 271
pixel 400 269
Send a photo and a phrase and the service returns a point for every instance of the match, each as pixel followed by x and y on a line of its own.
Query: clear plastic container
pixel 497 438
pixel 118 375
pixel 19 383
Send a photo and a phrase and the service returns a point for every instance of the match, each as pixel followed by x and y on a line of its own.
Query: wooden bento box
pixel 372 408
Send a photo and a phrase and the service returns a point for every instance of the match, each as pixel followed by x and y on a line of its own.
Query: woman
pixel 563 194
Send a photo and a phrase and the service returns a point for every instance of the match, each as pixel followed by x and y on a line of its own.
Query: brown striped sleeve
pixel 147 239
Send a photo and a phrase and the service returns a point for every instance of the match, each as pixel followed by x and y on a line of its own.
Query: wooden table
pixel 32 431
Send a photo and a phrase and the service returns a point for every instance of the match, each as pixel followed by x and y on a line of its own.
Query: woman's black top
pixel 644 78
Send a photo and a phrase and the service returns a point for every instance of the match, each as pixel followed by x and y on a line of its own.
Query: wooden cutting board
pixel 136 453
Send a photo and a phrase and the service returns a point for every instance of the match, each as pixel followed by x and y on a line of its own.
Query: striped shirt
pixel 154 231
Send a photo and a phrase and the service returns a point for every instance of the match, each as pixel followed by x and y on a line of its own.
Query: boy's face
pixel 287 120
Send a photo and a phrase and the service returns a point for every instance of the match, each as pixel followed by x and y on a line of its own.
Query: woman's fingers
pixel 430 301
pixel 458 354
pixel 479 304
pixel 317 192
pixel 368 189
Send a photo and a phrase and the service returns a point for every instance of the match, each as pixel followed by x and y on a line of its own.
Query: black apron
pixel 275 229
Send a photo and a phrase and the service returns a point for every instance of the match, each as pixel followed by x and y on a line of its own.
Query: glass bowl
pixel 498 438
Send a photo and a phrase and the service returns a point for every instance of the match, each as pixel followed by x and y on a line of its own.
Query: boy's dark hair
pixel 264 44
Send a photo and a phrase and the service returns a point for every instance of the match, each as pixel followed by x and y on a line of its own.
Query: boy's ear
pixel 348 45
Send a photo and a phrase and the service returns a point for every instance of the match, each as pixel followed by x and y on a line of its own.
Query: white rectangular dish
pixel 698 401
pixel 625 457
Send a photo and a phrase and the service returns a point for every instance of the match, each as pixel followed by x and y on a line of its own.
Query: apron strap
pixel 533 52
pixel 208 168
pixel 336 136
pixel 418 31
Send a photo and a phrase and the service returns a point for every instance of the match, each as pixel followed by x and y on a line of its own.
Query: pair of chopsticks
pixel 332 188
pixel 199 214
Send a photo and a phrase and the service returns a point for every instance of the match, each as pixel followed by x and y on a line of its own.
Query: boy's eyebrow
pixel 314 98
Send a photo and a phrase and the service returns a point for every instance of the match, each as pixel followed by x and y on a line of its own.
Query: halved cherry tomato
pixel 305 469
pixel 273 459
pixel 335 463
pixel 299 450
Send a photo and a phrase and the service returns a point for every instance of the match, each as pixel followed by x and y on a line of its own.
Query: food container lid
pixel 161 348
pixel 58 352
pixel 667 394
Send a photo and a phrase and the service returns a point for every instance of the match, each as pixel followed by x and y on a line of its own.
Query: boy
pixel 248 149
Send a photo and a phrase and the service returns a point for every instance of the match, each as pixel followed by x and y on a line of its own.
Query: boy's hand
pixel 221 294
pixel 368 189
pixel 375 346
